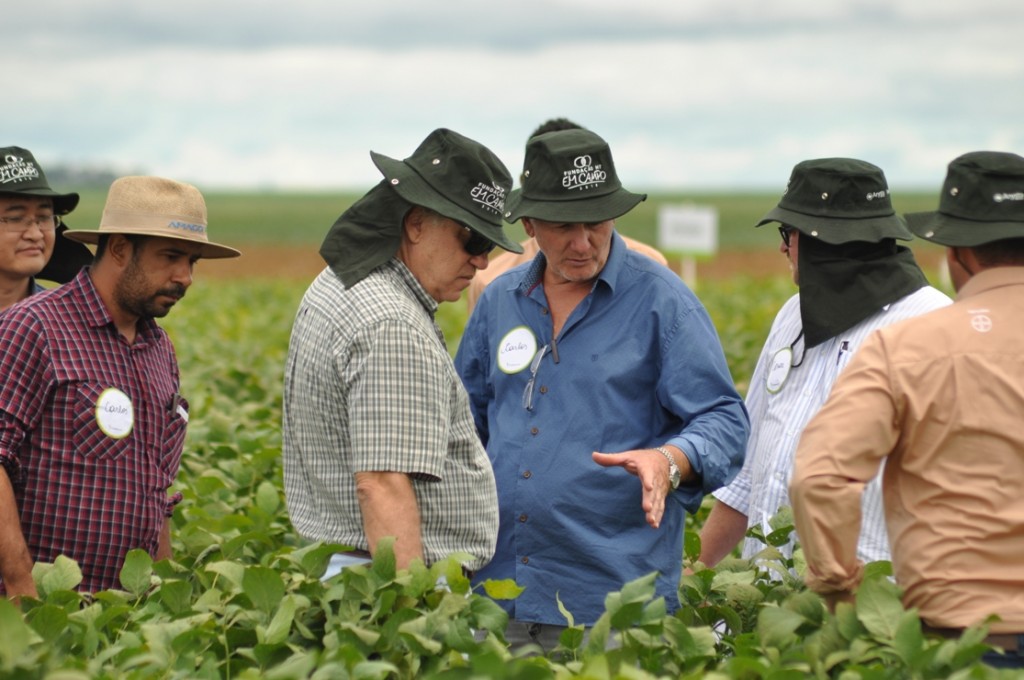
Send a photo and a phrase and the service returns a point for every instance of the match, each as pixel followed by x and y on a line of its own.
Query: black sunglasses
pixel 785 231
pixel 477 244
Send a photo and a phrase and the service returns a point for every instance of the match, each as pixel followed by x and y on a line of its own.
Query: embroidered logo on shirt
pixel 516 349
pixel 980 321
pixel 114 413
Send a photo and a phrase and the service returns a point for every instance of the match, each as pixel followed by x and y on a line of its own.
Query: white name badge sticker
pixel 516 349
pixel 779 370
pixel 114 413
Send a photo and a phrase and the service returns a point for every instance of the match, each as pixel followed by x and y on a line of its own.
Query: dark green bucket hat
pixel 20 174
pixel 838 200
pixel 982 201
pixel 569 176
pixel 456 177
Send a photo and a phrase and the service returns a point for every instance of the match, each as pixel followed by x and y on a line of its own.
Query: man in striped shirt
pixel 839 233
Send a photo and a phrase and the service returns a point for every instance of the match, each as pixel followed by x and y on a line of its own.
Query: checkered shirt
pixel 80 492
pixel 369 386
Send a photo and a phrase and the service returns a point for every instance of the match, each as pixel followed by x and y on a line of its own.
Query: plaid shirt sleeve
pixel 24 387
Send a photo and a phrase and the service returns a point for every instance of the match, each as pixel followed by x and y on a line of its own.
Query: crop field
pixel 242 597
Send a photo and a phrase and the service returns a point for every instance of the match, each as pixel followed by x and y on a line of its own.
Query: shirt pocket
pixel 90 440
pixel 173 439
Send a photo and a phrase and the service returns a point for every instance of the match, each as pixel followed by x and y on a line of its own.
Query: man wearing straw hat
pixel 939 399
pixel 30 229
pixel 601 391
pixel 91 420
pixel 378 437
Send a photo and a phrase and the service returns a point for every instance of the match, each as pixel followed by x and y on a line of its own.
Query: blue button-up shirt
pixel 637 364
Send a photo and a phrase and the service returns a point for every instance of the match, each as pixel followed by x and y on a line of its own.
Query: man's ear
pixel 120 249
pixel 414 224
pixel 527 226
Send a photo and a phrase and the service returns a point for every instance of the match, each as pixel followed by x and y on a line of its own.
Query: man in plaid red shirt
pixel 92 424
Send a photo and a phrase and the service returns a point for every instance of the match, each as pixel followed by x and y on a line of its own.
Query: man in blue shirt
pixel 585 366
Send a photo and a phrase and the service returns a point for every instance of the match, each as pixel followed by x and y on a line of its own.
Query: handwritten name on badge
pixel 516 349
pixel 114 413
pixel 782 361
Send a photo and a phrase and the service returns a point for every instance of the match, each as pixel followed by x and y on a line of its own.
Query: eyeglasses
pixel 477 244
pixel 534 365
pixel 24 223
pixel 785 231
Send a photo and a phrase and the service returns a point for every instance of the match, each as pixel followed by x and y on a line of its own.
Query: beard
pixel 134 295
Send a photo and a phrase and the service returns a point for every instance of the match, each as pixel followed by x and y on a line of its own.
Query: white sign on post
pixel 690 230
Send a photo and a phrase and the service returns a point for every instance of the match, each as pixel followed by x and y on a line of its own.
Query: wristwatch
pixel 673 469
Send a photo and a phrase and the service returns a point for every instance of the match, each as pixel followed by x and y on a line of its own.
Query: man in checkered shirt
pixel 378 436
pixel 91 421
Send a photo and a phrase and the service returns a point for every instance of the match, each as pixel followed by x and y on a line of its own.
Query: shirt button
pixel 525 560
pixel 543 389
pixel 527 474
pixel 544 311
pixel 534 430
pixel 522 518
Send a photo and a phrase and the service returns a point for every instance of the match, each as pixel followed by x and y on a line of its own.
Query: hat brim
pixel 835 230
pixel 591 209
pixel 409 185
pixel 947 230
pixel 62 203
pixel 207 250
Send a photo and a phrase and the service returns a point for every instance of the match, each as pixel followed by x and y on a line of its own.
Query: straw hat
pixel 154 206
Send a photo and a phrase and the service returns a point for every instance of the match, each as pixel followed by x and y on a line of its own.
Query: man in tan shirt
pixel 940 399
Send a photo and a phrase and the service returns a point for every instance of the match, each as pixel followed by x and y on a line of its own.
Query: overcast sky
pixel 690 94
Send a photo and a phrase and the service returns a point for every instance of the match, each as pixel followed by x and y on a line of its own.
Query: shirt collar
pixel 993 277
pixel 96 313
pixel 403 273
pixel 609 275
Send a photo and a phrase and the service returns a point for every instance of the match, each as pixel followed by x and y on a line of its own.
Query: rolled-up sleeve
pixel 840 451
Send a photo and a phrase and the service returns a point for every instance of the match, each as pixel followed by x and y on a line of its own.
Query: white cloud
pixel 699 93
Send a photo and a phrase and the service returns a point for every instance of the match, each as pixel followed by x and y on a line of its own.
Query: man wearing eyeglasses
pixel 378 437
pixel 839 233
pixel 30 222
pixel 589 367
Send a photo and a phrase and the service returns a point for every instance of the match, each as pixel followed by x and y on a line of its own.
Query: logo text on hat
pixel 489 196
pixel 877 194
pixel 15 169
pixel 187 226
pixel 1016 196
pixel 584 175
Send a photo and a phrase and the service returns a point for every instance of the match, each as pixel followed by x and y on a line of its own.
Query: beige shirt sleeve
pixel 840 451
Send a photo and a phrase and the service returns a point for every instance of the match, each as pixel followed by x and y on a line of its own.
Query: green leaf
pixel 374 670
pixel 268 498
pixel 384 563
pixel 908 640
pixel 63 574
pixel 487 614
pixel 281 625
pixel 264 588
pixel 176 596
pixel 16 637
pixel 879 607
pixel 48 620
pixel 136 572
pixel 691 545
pixel 232 571
pixel 569 620
pixel 777 626
pixel 503 589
